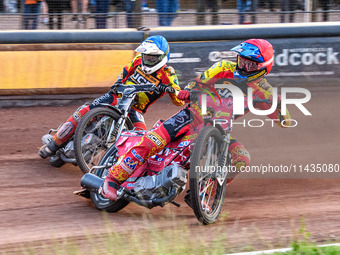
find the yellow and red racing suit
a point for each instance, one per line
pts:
(131, 74)
(177, 125)
(222, 73)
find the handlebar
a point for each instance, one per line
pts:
(194, 91)
(256, 100)
(130, 89)
(170, 90)
(139, 88)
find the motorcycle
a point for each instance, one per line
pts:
(199, 157)
(99, 129)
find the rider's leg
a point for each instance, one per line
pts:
(240, 158)
(151, 143)
(265, 91)
(139, 126)
(137, 119)
(66, 131)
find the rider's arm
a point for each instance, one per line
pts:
(263, 90)
(128, 70)
(173, 83)
(222, 69)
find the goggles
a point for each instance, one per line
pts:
(251, 66)
(151, 60)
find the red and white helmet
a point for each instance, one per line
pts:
(254, 59)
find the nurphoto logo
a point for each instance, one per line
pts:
(239, 103)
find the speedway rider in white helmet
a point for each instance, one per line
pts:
(147, 67)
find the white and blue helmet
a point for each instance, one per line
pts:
(155, 52)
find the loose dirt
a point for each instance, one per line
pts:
(260, 210)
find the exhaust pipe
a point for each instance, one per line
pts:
(91, 182)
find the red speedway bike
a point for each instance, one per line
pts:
(199, 158)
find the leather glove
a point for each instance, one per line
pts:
(184, 95)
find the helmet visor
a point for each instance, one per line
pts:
(248, 65)
(151, 60)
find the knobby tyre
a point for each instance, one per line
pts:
(100, 202)
(90, 139)
(206, 194)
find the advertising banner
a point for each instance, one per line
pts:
(296, 61)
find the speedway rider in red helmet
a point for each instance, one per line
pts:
(254, 61)
(147, 67)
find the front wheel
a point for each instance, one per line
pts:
(92, 137)
(206, 192)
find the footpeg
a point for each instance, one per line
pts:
(82, 193)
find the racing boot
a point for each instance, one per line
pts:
(211, 187)
(240, 159)
(64, 133)
(49, 149)
(109, 188)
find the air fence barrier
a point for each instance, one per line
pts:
(88, 62)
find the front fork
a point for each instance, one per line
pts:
(117, 129)
(222, 160)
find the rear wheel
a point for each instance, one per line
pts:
(91, 139)
(100, 202)
(206, 192)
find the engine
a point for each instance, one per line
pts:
(158, 186)
(88, 142)
(69, 150)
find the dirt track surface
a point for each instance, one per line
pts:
(36, 200)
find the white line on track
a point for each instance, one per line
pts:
(277, 250)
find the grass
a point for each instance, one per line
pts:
(299, 249)
(173, 240)
(303, 245)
